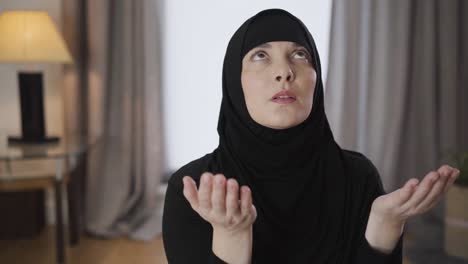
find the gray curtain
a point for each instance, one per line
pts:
(397, 91)
(113, 93)
(397, 84)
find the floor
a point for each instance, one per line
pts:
(426, 242)
(89, 251)
(422, 245)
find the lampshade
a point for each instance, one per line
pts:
(31, 36)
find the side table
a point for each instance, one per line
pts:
(65, 155)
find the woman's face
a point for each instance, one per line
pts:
(273, 67)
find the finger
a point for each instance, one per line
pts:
(246, 201)
(453, 177)
(204, 192)
(445, 171)
(190, 191)
(232, 198)
(422, 191)
(448, 174)
(254, 210)
(453, 174)
(436, 192)
(405, 192)
(218, 198)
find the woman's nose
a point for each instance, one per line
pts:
(286, 73)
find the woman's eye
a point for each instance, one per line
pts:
(259, 55)
(302, 54)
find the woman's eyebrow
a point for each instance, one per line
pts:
(268, 45)
(264, 45)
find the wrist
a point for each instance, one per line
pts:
(233, 247)
(388, 222)
(383, 233)
(231, 233)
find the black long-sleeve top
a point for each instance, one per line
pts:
(188, 238)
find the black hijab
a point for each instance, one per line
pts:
(312, 201)
(296, 175)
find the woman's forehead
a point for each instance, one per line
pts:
(270, 44)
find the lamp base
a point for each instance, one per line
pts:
(32, 111)
(23, 140)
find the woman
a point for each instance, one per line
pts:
(278, 188)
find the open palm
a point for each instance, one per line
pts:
(415, 197)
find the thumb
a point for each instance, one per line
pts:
(254, 209)
(190, 191)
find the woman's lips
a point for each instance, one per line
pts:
(284, 100)
(284, 97)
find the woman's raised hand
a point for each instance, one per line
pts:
(217, 201)
(415, 197)
(390, 212)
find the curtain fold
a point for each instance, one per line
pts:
(115, 95)
(396, 85)
(397, 91)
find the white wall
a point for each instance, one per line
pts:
(195, 35)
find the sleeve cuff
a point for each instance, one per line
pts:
(215, 259)
(371, 255)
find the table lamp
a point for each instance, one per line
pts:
(31, 37)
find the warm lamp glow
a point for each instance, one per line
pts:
(31, 36)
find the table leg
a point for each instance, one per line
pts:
(59, 214)
(74, 208)
(8, 168)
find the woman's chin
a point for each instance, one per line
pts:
(280, 119)
(282, 124)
